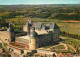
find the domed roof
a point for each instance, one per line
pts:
(10, 29)
(33, 34)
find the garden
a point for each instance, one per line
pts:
(18, 45)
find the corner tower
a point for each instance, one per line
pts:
(33, 43)
(28, 28)
(55, 32)
(11, 34)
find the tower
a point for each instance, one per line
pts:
(28, 28)
(33, 43)
(55, 32)
(11, 34)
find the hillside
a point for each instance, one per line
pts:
(52, 11)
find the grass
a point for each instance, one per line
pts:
(70, 49)
(72, 28)
(73, 42)
(50, 45)
(16, 45)
(25, 19)
(13, 44)
(20, 46)
(0, 45)
(59, 47)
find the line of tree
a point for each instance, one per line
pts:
(11, 15)
(2, 22)
(63, 13)
(67, 16)
(75, 36)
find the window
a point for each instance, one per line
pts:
(12, 50)
(9, 49)
(36, 41)
(22, 51)
(5, 39)
(24, 56)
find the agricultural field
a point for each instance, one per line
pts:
(59, 47)
(72, 28)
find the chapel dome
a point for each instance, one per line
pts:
(33, 34)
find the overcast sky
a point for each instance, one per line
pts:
(13, 2)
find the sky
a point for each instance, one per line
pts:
(16, 2)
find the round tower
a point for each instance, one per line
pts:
(55, 32)
(28, 29)
(11, 35)
(33, 43)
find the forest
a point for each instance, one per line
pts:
(61, 12)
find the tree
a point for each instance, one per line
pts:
(52, 16)
(2, 22)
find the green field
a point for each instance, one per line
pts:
(72, 28)
(59, 47)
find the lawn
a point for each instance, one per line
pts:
(72, 28)
(17, 45)
(0, 45)
(70, 49)
(59, 47)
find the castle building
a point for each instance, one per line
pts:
(38, 35)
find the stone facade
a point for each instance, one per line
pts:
(6, 36)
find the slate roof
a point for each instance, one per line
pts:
(56, 26)
(38, 25)
(33, 34)
(53, 26)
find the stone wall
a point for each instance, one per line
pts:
(25, 28)
(46, 52)
(4, 36)
(17, 52)
(22, 40)
(49, 38)
(45, 40)
(56, 35)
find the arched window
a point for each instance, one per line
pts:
(22, 51)
(24, 56)
(12, 50)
